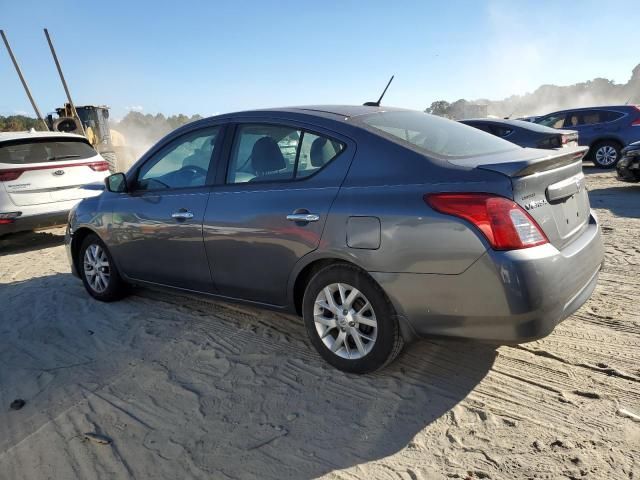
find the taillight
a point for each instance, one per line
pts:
(636, 122)
(502, 221)
(9, 217)
(9, 175)
(99, 166)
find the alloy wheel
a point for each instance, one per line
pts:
(96, 268)
(345, 321)
(606, 155)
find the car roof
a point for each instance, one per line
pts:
(515, 123)
(33, 135)
(335, 112)
(595, 107)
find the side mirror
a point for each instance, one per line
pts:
(116, 183)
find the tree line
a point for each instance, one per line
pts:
(18, 123)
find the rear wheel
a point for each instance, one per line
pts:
(605, 154)
(98, 272)
(350, 320)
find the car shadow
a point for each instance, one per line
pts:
(20, 242)
(622, 200)
(239, 389)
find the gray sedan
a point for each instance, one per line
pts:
(376, 225)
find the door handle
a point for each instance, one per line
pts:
(303, 217)
(182, 215)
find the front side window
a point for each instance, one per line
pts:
(436, 136)
(184, 163)
(266, 153)
(553, 121)
(45, 150)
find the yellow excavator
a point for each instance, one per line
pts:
(92, 121)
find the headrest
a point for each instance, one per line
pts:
(266, 156)
(321, 152)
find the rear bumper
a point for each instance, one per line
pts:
(509, 297)
(35, 222)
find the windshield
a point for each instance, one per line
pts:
(435, 135)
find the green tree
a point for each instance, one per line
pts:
(440, 108)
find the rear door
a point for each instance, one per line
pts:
(45, 170)
(278, 189)
(156, 230)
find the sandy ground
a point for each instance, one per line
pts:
(191, 388)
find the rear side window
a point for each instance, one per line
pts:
(315, 152)
(46, 150)
(500, 131)
(436, 136)
(480, 126)
(267, 153)
(610, 116)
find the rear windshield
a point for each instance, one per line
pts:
(45, 150)
(435, 135)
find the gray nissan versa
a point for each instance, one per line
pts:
(377, 225)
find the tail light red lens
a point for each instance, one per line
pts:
(9, 217)
(502, 221)
(636, 123)
(99, 166)
(9, 175)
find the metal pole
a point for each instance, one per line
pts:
(64, 82)
(24, 82)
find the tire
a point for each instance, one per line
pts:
(370, 328)
(605, 154)
(106, 286)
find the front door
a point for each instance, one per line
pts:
(156, 228)
(280, 184)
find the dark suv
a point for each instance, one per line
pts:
(605, 130)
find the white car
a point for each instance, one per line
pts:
(43, 175)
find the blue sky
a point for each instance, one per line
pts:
(212, 56)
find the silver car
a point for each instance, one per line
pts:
(376, 225)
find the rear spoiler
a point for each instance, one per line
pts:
(522, 168)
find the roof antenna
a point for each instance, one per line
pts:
(377, 104)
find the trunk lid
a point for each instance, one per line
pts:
(549, 186)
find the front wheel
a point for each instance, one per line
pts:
(98, 271)
(350, 320)
(605, 154)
